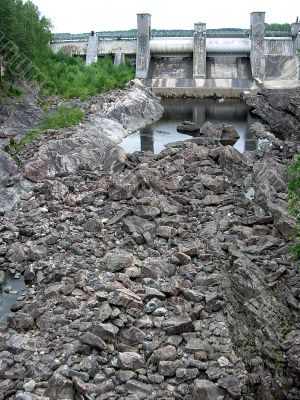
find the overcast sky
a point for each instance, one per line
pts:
(76, 16)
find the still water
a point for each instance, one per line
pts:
(10, 290)
(153, 138)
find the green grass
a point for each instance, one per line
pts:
(63, 118)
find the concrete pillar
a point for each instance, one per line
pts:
(295, 31)
(257, 36)
(199, 56)
(92, 49)
(143, 45)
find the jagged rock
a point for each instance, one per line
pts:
(133, 335)
(20, 321)
(28, 396)
(130, 360)
(147, 212)
(134, 386)
(232, 385)
(206, 390)
(167, 353)
(125, 298)
(60, 387)
(210, 130)
(107, 332)
(93, 341)
(186, 374)
(168, 368)
(124, 186)
(17, 343)
(179, 324)
(228, 131)
(7, 388)
(166, 231)
(118, 260)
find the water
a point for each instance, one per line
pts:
(153, 138)
(18, 290)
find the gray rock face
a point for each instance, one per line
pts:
(7, 166)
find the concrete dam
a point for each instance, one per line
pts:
(200, 64)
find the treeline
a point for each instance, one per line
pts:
(132, 33)
(25, 55)
(272, 29)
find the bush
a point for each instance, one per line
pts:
(71, 78)
(294, 205)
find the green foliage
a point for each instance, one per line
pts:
(70, 77)
(25, 36)
(278, 27)
(25, 53)
(294, 197)
(63, 118)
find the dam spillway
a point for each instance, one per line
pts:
(202, 65)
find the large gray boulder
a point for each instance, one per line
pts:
(88, 149)
(134, 107)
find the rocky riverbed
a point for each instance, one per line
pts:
(153, 276)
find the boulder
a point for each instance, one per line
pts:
(228, 131)
(210, 130)
(188, 127)
(88, 149)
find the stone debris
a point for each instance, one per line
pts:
(160, 281)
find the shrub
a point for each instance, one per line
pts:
(71, 78)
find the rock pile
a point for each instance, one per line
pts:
(162, 281)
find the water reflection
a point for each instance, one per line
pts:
(154, 138)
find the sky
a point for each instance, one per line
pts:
(76, 16)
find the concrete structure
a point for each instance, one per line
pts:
(92, 50)
(200, 64)
(257, 37)
(143, 45)
(199, 51)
